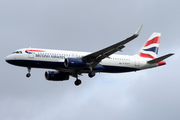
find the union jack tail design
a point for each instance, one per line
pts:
(150, 49)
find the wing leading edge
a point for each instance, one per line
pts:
(96, 57)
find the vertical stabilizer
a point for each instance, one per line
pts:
(150, 48)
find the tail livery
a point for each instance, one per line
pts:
(150, 49)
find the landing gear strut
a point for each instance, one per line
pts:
(78, 81)
(28, 74)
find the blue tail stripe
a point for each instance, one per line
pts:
(153, 49)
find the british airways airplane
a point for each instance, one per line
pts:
(72, 63)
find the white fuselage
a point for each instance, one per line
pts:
(54, 59)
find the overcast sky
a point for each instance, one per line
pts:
(82, 25)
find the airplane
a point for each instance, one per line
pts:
(72, 63)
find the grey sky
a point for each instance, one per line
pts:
(89, 26)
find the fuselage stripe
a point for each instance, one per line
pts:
(35, 51)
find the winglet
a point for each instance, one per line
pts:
(138, 30)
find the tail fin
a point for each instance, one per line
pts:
(150, 49)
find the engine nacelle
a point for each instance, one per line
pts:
(75, 63)
(56, 76)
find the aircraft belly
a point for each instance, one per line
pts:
(118, 69)
(37, 64)
(60, 66)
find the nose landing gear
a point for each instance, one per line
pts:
(28, 74)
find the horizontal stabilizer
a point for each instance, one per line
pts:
(160, 58)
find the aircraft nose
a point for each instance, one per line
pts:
(11, 59)
(8, 59)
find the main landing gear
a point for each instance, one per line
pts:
(91, 74)
(28, 74)
(78, 81)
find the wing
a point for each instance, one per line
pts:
(96, 57)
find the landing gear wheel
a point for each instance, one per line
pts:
(28, 75)
(77, 82)
(91, 74)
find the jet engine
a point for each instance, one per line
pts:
(56, 76)
(75, 63)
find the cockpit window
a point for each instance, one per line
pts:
(17, 52)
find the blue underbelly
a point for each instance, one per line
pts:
(59, 65)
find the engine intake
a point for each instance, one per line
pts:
(56, 76)
(75, 63)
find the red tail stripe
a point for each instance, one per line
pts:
(154, 40)
(145, 55)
